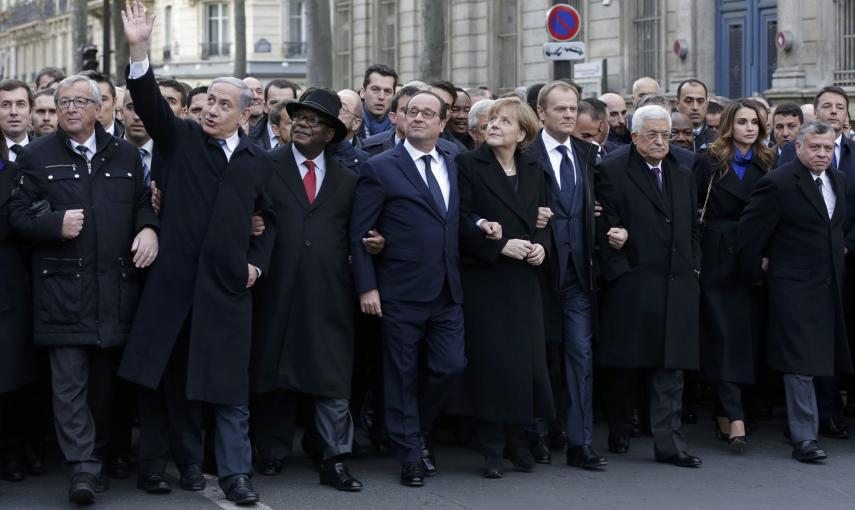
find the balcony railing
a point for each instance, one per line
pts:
(294, 49)
(215, 50)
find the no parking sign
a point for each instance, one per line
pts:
(563, 22)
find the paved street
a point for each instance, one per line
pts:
(764, 478)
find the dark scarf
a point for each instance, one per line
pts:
(740, 162)
(374, 125)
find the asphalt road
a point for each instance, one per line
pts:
(765, 477)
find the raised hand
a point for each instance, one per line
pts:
(137, 26)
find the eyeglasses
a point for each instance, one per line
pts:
(345, 110)
(427, 114)
(312, 120)
(78, 102)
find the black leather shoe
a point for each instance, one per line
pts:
(618, 444)
(521, 458)
(82, 489)
(335, 474)
(585, 457)
(493, 467)
(154, 483)
(834, 428)
(808, 451)
(35, 459)
(682, 459)
(270, 467)
(120, 467)
(412, 474)
(242, 492)
(192, 478)
(428, 458)
(541, 452)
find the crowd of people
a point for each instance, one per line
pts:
(188, 275)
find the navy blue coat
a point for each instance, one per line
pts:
(421, 244)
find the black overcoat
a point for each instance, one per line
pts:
(649, 305)
(205, 245)
(787, 221)
(303, 314)
(731, 306)
(86, 289)
(17, 356)
(506, 378)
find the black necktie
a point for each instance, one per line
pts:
(17, 149)
(567, 170)
(82, 149)
(657, 172)
(818, 182)
(433, 185)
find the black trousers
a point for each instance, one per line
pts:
(493, 437)
(730, 401)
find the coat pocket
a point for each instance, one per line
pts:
(120, 185)
(129, 290)
(61, 290)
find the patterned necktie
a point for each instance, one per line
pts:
(433, 185)
(567, 170)
(146, 169)
(657, 171)
(309, 180)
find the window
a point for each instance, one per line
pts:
(387, 32)
(341, 60)
(167, 33)
(506, 44)
(844, 74)
(295, 43)
(647, 28)
(217, 24)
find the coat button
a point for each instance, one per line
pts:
(308, 243)
(667, 220)
(77, 176)
(103, 159)
(50, 177)
(130, 175)
(107, 174)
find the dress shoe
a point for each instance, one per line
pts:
(428, 459)
(82, 489)
(412, 474)
(13, 468)
(493, 467)
(153, 483)
(521, 458)
(618, 444)
(585, 457)
(270, 467)
(682, 459)
(834, 428)
(192, 478)
(242, 492)
(35, 460)
(120, 467)
(737, 444)
(335, 474)
(541, 452)
(808, 451)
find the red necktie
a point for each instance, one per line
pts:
(309, 180)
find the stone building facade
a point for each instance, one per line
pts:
(728, 44)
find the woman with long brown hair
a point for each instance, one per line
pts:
(730, 306)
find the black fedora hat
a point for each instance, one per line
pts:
(324, 102)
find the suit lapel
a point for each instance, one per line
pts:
(806, 184)
(637, 175)
(408, 168)
(495, 179)
(286, 169)
(5, 183)
(838, 180)
(550, 173)
(331, 182)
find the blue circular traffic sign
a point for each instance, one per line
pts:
(563, 22)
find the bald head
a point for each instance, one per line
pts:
(351, 111)
(616, 107)
(256, 107)
(644, 86)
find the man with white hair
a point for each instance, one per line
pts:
(478, 121)
(644, 86)
(190, 342)
(651, 291)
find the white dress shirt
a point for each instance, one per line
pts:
(148, 147)
(437, 166)
(274, 140)
(828, 195)
(111, 129)
(10, 143)
(320, 167)
(231, 144)
(555, 155)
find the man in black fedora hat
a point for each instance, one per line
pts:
(303, 309)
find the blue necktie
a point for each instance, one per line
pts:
(433, 185)
(834, 157)
(568, 174)
(146, 169)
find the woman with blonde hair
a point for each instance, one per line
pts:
(730, 305)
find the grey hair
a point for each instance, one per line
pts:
(648, 99)
(813, 127)
(480, 108)
(649, 112)
(245, 91)
(417, 84)
(94, 91)
(644, 79)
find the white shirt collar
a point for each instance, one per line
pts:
(551, 143)
(651, 167)
(112, 128)
(838, 140)
(233, 141)
(89, 143)
(271, 136)
(148, 146)
(299, 158)
(22, 143)
(417, 154)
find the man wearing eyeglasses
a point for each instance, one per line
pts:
(91, 242)
(410, 195)
(347, 151)
(650, 298)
